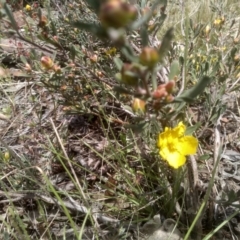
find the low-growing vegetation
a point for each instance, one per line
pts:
(119, 119)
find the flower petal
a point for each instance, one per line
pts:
(164, 153)
(163, 139)
(187, 145)
(179, 130)
(175, 159)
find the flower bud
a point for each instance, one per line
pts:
(44, 34)
(141, 91)
(207, 30)
(6, 156)
(169, 98)
(27, 67)
(99, 74)
(236, 58)
(28, 8)
(161, 86)
(223, 19)
(55, 38)
(70, 76)
(93, 58)
(129, 74)
(151, 26)
(170, 86)
(56, 68)
(149, 57)
(159, 93)
(43, 21)
(47, 62)
(236, 40)
(219, 21)
(138, 105)
(117, 14)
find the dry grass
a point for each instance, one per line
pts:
(74, 164)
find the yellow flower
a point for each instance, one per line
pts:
(28, 8)
(174, 146)
(223, 48)
(219, 21)
(111, 51)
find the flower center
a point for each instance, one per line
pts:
(172, 145)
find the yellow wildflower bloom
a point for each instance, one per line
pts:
(112, 51)
(174, 146)
(28, 8)
(219, 21)
(223, 48)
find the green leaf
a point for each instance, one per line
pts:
(191, 23)
(160, 2)
(146, 17)
(197, 89)
(51, 41)
(144, 36)
(206, 67)
(143, 3)
(118, 62)
(154, 79)
(166, 43)
(128, 52)
(204, 157)
(53, 28)
(118, 77)
(72, 52)
(11, 17)
(90, 27)
(217, 113)
(121, 90)
(39, 12)
(198, 30)
(233, 52)
(94, 4)
(174, 70)
(181, 60)
(23, 59)
(192, 129)
(128, 109)
(138, 127)
(159, 23)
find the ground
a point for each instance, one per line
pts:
(78, 163)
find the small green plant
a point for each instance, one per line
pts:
(137, 111)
